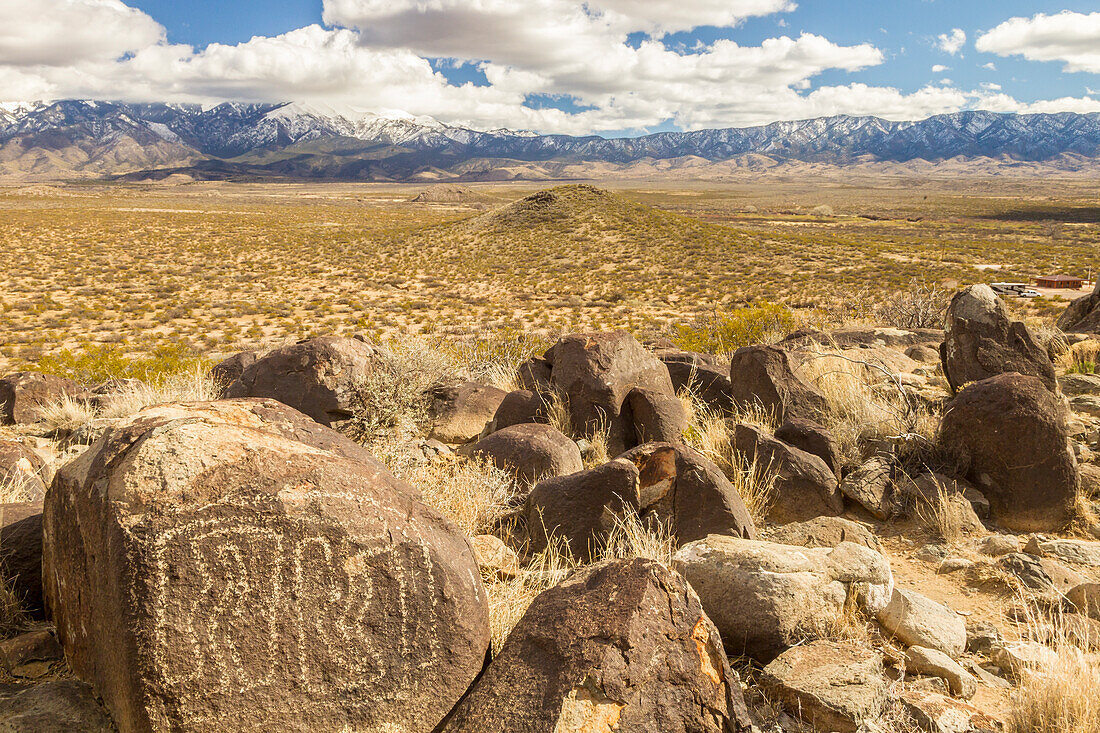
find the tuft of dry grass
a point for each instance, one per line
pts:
(1081, 358)
(12, 616)
(68, 414)
(1063, 695)
(470, 491)
(494, 358)
(946, 515)
(866, 402)
(710, 433)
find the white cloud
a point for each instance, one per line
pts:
(940, 68)
(952, 42)
(63, 32)
(377, 57)
(990, 66)
(1073, 38)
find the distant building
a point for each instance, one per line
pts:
(1066, 282)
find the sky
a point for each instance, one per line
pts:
(609, 67)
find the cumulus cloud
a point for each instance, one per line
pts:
(1073, 38)
(952, 42)
(63, 32)
(940, 68)
(378, 55)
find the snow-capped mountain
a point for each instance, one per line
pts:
(105, 138)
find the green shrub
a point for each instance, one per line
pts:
(725, 332)
(96, 363)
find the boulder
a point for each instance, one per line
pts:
(531, 452)
(687, 494)
(997, 545)
(1079, 552)
(519, 407)
(704, 375)
(229, 370)
(981, 636)
(936, 713)
(1040, 574)
(871, 486)
(825, 532)
(813, 438)
(534, 374)
(57, 706)
(981, 341)
(1084, 598)
(460, 412)
(765, 596)
(921, 660)
(22, 470)
(235, 560)
(1080, 385)
(621, 645)
(30, 655)
(1010, 433)
(1083, 314)
(594, 374)
(923, 353)
(764, 376)
(582, 508)
(23, 394)
(323, 377)
(21, 553)
(832, 686)
(916, 620)
(657, 417)
(804, 486)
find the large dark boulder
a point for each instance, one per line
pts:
(764, 376)
(519, 407)
(1009, 434)
(705, 375)
(323, 377)
(981, 341)
(530, 451)
(813, 438)
(21, 553)
(1083, 314)
(687, 494)
(582, 508)
(658, 417)
(595, 372)
(23, 394)
(621, 645)
(236, 561)
(804, 486)
(461, 412)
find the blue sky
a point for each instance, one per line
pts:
(605, 66)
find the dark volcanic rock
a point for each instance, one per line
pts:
(229, 370)
(531, 451)
(21, 553)
(1010, 433)
(764, 376)
(246, 566)
(657, 416)
(460, 412)
(321, 377)
(1083, 314)
(519, 407)
(813, 438)
(22, 394)
(981, 341)
(622, 645)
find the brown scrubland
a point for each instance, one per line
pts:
(767, 353)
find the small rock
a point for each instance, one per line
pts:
(870, 486)
(953, 565)
(933, 552)
(981, 636)
(833, 686)
(1040, 574)
(825, 532)
(996, 545)
(986, 677)
(30, 655)
(919, 621)
(1075, 551)
(813, 438)
(1018, 657)
(494, 557)
(921, 660)
(939, 714)
(1085, 599)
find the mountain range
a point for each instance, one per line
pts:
(89, 139)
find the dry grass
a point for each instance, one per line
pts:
(1081, 358)
(866, 402)
(69, 414)
(14, 488)
(12, 616)
(946, 515)
(1062, 696)
(471, 491)
(711, 433)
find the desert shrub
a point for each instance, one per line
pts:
(97, 363)
(921, 305)
(1081, 358)
(822, 210)
(725, 332)
(494, 357)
